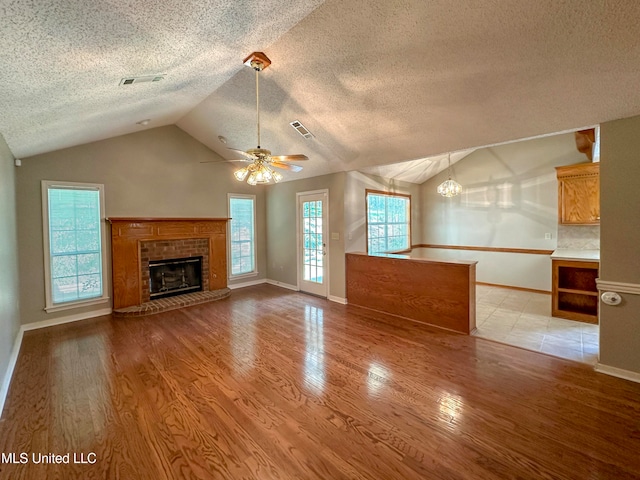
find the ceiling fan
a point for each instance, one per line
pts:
(259, 170)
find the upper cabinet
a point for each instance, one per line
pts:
(579, 194)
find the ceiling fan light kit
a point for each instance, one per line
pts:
(260, 170)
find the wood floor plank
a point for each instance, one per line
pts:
(271, 383)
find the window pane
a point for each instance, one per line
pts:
(242, 238)
(388, 222)
(75, 244)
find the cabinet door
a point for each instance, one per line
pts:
(580, 200)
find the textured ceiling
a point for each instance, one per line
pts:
(376, 82)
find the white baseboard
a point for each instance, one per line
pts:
(618, 372)
(8, 375)
(68, 319)
(283, 285)
(341, 300)
(247, 284)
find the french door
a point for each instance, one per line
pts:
(312, 242)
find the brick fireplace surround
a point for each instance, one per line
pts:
(169, 249)
(136, 241)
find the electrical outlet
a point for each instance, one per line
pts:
(547, 236)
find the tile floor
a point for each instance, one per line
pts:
(524, 319)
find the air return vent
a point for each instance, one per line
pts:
(141, 79)
(301, 129)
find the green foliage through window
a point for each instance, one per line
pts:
(75, 246)
(241, 211)
(388, 222)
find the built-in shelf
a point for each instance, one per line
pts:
(574, 290)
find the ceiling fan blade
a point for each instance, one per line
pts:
(289, 158)
(243, 153)
(286, 166)
(227, 161)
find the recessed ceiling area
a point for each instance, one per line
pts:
(378, 83)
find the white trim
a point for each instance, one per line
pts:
(8, 375)
(618, 372)
(71, 305)
(341, 300)
(68, 319)
(326, 225)
(283, 285)
(247, 284)
(619, 287)
(50, 306)
(243, 196)
(233, 278)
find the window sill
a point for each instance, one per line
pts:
(72, 305)
(242, 276)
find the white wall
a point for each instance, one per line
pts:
(509, 200)
(9, 308)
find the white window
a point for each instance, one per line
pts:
(73, 217)
(388, 221)
(242, 229)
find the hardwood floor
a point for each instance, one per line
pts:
(271, 383)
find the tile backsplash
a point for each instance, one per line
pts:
(579, 237)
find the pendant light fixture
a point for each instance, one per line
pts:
(449, 188)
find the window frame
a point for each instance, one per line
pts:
(366, 216)
(50, 305)
(254, 272)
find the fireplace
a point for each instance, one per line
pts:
(155, 252)
(174, 276)
(137, 242)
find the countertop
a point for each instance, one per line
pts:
(579, 255)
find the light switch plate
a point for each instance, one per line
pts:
(335, 236)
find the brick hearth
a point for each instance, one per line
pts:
(171, 303)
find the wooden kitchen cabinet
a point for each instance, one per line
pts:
(579, 194)
(574, 292)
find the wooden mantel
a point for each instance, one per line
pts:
(128, 232)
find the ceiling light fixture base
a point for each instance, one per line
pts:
(258, 61)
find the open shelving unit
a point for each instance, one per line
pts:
(575, 294)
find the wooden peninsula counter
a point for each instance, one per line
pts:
(437, 292)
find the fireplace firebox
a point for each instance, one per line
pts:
(174, 276)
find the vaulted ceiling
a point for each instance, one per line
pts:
(375, 82)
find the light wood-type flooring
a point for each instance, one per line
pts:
(274, 384)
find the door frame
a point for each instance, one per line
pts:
(325, 193)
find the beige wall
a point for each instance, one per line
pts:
(154, 173)
(355, 209)
(9, 308)
(620, 240)
(509, 200)
(282, 235)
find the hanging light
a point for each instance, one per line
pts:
(241, 174)
(449, 188)
(260, 171)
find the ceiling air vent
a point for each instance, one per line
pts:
(142, 79)
(301, 129)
